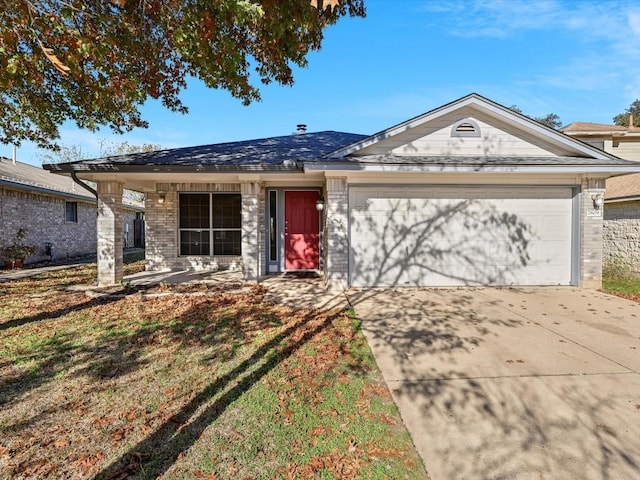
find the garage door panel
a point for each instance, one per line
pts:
(457, 236)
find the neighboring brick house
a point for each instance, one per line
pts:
(54, 210)
(621, 229)
(469, 193)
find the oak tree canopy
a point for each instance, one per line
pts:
(631, 113)
(95, 63)
(551, 120)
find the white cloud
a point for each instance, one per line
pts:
(504, 18)
(634, 22)
(602, 37)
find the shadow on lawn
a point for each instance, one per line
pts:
(156, 453)
(128, 333)
(470, 367)
(54, 353)
(54, 314)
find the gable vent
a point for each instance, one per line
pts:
(465, 128)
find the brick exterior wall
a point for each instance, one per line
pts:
(621, 235)
(591, 236)
(336, 235)
(163, 241)
(162, 229)
(43, 216)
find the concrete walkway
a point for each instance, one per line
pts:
(512, 383)
(8, 275)
(286, 289)
(32, 271)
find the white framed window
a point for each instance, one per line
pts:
(71, 212)
(210, 224)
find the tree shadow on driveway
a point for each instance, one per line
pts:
(485, 392)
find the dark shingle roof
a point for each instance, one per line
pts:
(265, 152)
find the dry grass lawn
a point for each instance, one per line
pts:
(210, 384)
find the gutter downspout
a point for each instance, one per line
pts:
(83, 185)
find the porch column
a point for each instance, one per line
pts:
(337, 234)
(110, 233)
(250, 192)
(591, 234)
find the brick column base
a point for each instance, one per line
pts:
(109, 230)
(591, 234)
(336, 234)
(250, 239)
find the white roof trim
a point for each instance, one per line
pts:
(440, 168)
(485, 103)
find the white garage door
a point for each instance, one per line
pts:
(422, 236)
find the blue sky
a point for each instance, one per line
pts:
(579, 59)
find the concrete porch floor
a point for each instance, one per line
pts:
(306, 291)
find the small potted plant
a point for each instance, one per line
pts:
(15, 253)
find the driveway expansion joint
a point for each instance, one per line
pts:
(498, 377)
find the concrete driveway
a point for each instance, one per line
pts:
(537, 383)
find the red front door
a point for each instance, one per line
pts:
(301, 231)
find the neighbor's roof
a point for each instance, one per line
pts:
(28, 177)
(623, 187)
(588, 128)
(592, 127)
(266, 153)
(23, 175)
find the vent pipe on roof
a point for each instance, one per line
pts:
(301, 128)
(631, 120)
(15, 154)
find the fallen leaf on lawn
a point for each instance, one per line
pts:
(118, 435)
(319, 430)
(63, 442)
(378, 452)
(102, 422)
(288, 417)
(352, 445)
(290, 471)
(206, 476)
(3, 450)
(89, 460)
(388, 419)
(233, 469)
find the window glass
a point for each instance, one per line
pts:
(227, 242)
(193, 242)
(273, 210)
(194, 210)
(210, 224)
(71, 212)
(227, 211)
